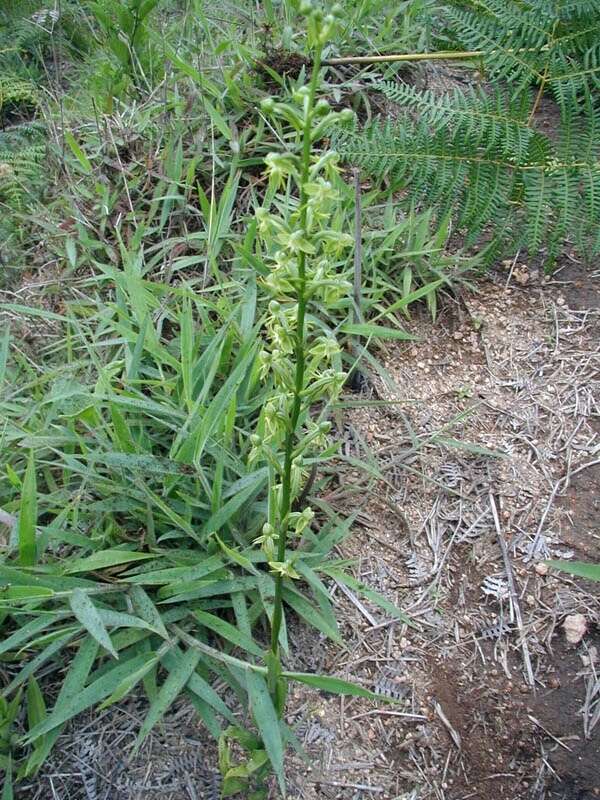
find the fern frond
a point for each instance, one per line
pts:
(541, 190)
(535, 42)
(494, 120)
(22, 152)
(17, 96)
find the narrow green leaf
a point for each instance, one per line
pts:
(72, 685)
(36, 708)
(237, 557)
(179, 574)
(147, 610)
(86, 613)
(22, 636)
(28, 516)
(34, 664)
(376, 331)
(310, 613)
(200, 688)
(118, 619)
(7, 789)
(228, 509)
(330, 684)
(370, 594)
(408, 299)
(186, 347)
(129, 682)
(206, 714)
(4, 348)
(24, 592)
(78, 152)
(32, 311)
(579, 568)
(267, 723)
(104, 559)
(240, 609)
(228, 632)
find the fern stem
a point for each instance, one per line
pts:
(543, 81)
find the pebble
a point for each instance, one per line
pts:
(575, 626)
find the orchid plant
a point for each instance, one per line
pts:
(304, 253)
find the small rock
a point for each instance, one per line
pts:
(591, 657)
(575, 626)
(521, 277)
(541, 568)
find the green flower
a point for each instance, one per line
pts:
(283, 568)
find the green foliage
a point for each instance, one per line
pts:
(180, 400)
(144, 475)
(17, 97)
(22, 150)
(479, 155)
(579, 568)
(157, 418)
(476, 156)
(554, 45)
(128, 38)
(32, 33)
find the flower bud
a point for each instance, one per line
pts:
(267, 105)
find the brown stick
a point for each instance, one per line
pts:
(443, 55)
(513, 592)
(440, 55)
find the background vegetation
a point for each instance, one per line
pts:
(154, 159)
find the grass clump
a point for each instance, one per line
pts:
(157, 446)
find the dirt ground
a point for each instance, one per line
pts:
(487, 443)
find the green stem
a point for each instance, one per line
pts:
(299, 346)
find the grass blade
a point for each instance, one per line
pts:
(229, 632)
(104, 559)
(87, 614)
(28, 516)
(579, 568)
(267, 723)
(329, 684)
